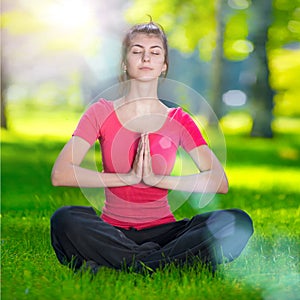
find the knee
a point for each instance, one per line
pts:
(230, 222)
(243, 221)
(232, 230)
(61, 217)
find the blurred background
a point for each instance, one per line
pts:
(243, 56)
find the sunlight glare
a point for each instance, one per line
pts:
(68, 14)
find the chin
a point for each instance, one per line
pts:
(146, 78)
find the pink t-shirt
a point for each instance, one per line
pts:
(137, 206)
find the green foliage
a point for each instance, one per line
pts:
(191, 25)
(19, 22)
(285, 66)
(187, 23)
(286, 23)
(236, 36)
(264, 179)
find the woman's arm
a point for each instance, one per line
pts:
(67, 171)
(210, 179)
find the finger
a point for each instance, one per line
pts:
(140, 145)
(139, 150)
(147, 145)
(147, 159)
(140, 154)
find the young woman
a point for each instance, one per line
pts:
(139, 137)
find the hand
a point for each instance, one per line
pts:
(136, 173)
(149, 178)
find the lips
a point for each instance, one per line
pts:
(145, 68)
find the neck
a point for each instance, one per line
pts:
(142, 90)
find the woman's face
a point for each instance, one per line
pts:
(145, 58)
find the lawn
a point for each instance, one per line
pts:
(264, 177)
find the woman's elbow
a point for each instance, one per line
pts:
(224, 186)
(59, 176)
(223, 189)
(63, 175)
(55, 178)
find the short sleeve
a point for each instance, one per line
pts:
(89, 126)
(191, 136)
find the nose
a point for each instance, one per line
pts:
(146, 56)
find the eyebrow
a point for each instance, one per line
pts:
(138, 45)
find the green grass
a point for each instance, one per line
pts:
(264, 177)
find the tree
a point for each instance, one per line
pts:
(261, 91)
(218, 62)
(3, 104)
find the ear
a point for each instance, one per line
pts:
(164, 68)
(124, 67)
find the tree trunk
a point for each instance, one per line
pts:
(3, 101)
(262, 94)
(217, 67)
(3, 114)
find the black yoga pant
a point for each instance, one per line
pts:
(78, 235)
